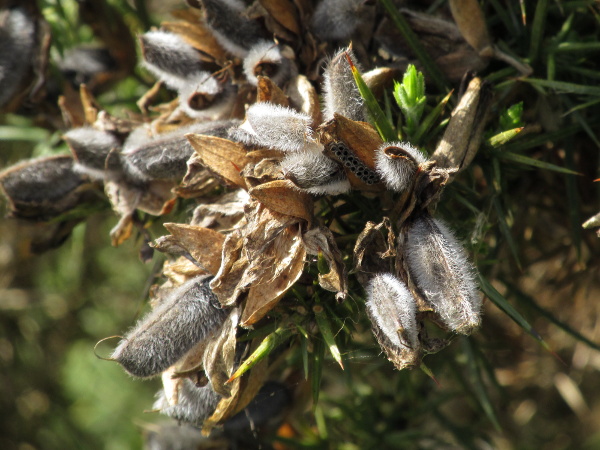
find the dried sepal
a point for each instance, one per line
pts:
(268, 91)
(276, 127)
(397, 163)
(304, 98)
(284, 259)
(284, 13)
(168, 57)
(283, 197)
(267, 59)
(220, 358)
(392, 310)
(340, 93)
(186, 316)
(221, 156)
(315, 173)
(440, 268)
(193, 405)
(375, 250)
(320, 241)
(203, 244)
(195, 33)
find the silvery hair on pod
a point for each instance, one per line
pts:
(340, 94)
(442, 272)
(265, 58)
(194, 404)
(397, 163)
(90, 148)
(276, 127)
(315, 173)
(392, 310)
(188, 314)
(169, 58)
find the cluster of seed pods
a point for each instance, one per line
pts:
(246, 116)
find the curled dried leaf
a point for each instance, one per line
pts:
(283, 197)
(222, 156)
(320, 240)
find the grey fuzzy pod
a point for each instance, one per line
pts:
(266, 59)
(169, 58)
(17, 43)
(233, 31)
(340, 94)
(392, 310)
(188, 315)
(315, 173)
(397, 163)
(444, 275)
(90, 148)
(194, 404)
(165, 156)
(337, 19)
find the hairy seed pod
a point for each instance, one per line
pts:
(392, 310)
(276, 127)
(397, 164)
(340, 94)
(442, 272)
(194, 404)
(337, 19)
(165, 156)
(17, 43)
(185, 317)
(87, 65)
(315, 173)
(203, 97)
(43, 188)
(266, 59)
(232, 30)
(90, 148)
(169, 58)
(352, 163)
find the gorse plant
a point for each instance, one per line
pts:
(313, 188)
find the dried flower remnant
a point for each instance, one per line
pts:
(392, 310)
(185, 317)
(397, 164)
(443, 274)
(340, 94)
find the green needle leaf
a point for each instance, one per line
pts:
(325, 328)
(382, 124)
